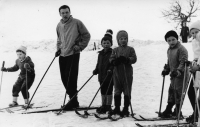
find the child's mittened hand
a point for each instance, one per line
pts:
(95, 72)
(3, 69)
(58, 53)
(26, 66)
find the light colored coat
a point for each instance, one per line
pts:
(71, 33)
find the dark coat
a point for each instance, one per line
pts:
(20, 65)
(184, 33)
(103, 64)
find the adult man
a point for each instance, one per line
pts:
(184, 33)
(73, 37)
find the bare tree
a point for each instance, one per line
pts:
(178, 14)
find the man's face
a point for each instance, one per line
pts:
(194, 32)
(65, 13)
(172, 41)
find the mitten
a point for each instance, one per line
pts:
(175, 73)
(3, 69)
(58, 53)
(95, 72)
(123, 59)
(27, 66)
(164, 72)
(188, 63)
(116, 62)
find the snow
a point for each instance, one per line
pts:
(146, 90)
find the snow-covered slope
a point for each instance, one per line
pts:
(146, 90)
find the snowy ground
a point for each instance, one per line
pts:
(146, 88)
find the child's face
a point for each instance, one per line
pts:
(65, 13)
(106, 44)
(172, 41)
(21, 55)
(123, 41)
(194, 32)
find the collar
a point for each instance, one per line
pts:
(68, 20)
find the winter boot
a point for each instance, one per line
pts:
(14, 103)
(174, 114)
(190, 119)
(168, 111)
(117, 106)
(125, 111)
(72, 104)
(101, 109)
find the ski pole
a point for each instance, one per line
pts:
(183, 94)
(95, 94)
(196, 102)
(2, 75)
(132, 114)
(74, 95)
(104, 101)
(161, 95)
(40, 82)
(68, 78)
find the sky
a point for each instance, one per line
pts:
(37, 19)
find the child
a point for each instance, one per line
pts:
(25, 64)
(121, 58)
(194, 31)
(177, 55)
(104, 70)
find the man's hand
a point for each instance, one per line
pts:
(58, 53)
(76, 48)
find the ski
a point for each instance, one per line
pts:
(58, 109)
(154, 119)
(85, 115)
(114, 117)
(163, 125)
(8, 109)
(101, 116)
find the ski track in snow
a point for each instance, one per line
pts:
(146, 89)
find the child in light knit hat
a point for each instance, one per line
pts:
(25, 64)
(122, 59)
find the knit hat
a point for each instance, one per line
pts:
(122, 33)
(22, 49)
(108, 36)
(195, 25)
(171, 33)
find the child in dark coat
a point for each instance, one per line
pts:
(104, 71)
(25, 64)
(177, 54)
(122, 59)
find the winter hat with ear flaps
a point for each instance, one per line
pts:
(22, 49)
(195, 25)
(108, 36)
(171, 33)
(122, 33)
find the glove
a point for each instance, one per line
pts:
(109, 72)
(116, 62)
(95, 72)
(3, 69)
(164, 72)
(58, 53)
(123, 59)
(175, 73)
(27, 66)
(188, 63)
